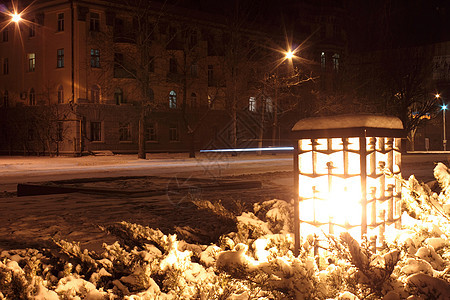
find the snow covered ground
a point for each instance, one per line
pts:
(238, 248)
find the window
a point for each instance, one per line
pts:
(59, 131)
(193, 38)
(60, 25)
(5, 99)
(269, 105)
(31, 57)
(336, 62)
(150, 133)
(118, 96)
(172, 99)
(60, 94)
(193, 100)
(252, 104)
(32, 97)
(151, 64)
(173, 133)
(172, 65)
(323, 60)
(210, 102)
(125, 132)
(32, 29)
(210, 75)
(30, 134)
(5, 66)
(95, 58)
(60, 58)
(96, 131)
(151, 95)
(5, 34)
(194, 70)
(94, 22)
(95, 94)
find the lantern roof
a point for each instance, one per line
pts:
(349, 125)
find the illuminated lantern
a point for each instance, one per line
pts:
(345, 170)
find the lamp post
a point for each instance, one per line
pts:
(444, 136)
(340, 167)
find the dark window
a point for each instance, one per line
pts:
(172, 99)
(5, 99)
(96, 131)
(94, 22)
(5, 34)
(5, 66)
(173, 133)
(193, 100)
(151, 64)
(210, 75)
(118, 96)
(95, 58)
(150, 133)
(32, 97)
(193, 38)
(60, 94)
(172, 65)
(125, 132)
(194, 70)
(60, 26)
(151, 95)
(95, 94)
(60, 58)
(32, 29)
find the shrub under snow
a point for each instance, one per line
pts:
(257, 261)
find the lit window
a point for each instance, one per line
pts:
(125, 132)
(31, 62)
(323, 60)
(32, 97)
(60, 58)
(118, 96)
(60, 94)
(61, 22)
(96, 131)
(150, 133)
(5, 66)
(336, 62)
(94, 22)
(173, 133)
(95, 94)
(172, 99)
(210, 102)
(95, 58)
(252, 104)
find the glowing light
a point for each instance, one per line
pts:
(444, 107)
(437, 96)
(289, 54)
(16, 17)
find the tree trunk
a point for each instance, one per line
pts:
(192, 145)
(141, 140)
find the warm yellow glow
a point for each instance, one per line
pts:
(437, 96)
(289, 54)
(330, 183)
(16, 17)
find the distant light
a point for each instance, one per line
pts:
(250, 149)
(437, 96)
(16, 17)
(444, 107)
(289, 54)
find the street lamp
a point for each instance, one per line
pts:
(443, 108)
(342, 174)
(15, 17)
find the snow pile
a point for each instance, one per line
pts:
(256, 261)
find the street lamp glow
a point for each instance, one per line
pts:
(444, 107)
(437, 96)
(289, 54)
(16, 17)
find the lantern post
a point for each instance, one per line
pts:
(346, 175)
